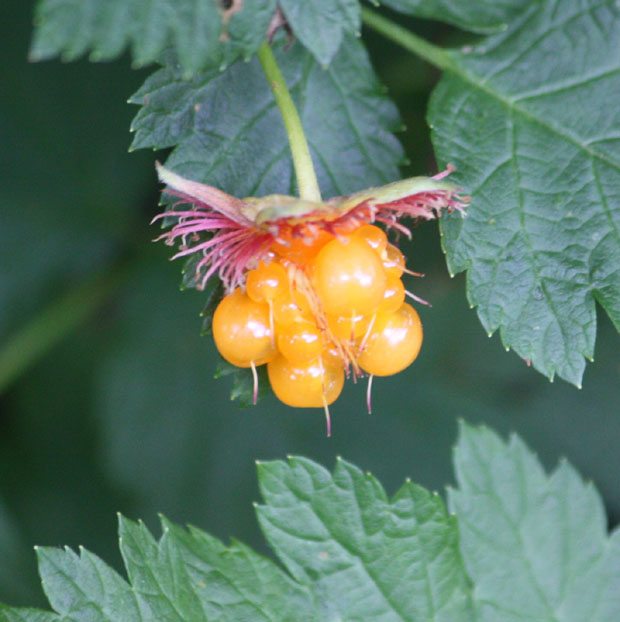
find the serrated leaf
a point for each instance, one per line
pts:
(83, 587)
(367, 557)
(534, 545)
(320, 25)
(203, 32)
(227, 130)
(192, 576)
(474, 15)
(529, 121)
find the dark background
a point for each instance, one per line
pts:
(121, 413)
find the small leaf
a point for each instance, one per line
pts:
(534, 137)
(320, 25)
(368, 557)
(204, 34)
(80, 586)
(242, 390)
(534, 545)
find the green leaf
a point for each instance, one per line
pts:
(367, 557)
(475, 15)
(81, 587)
(227, 130)
(527, 118)
(242, 389)
(22, 614)
(320, 25)
(203, 33)
(192, 576)
(534, 545)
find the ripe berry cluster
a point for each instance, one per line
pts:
(316, 312)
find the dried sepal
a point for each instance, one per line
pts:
(241, 232)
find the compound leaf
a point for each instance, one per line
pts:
(204, 33)
(527, 118)
(534, 545)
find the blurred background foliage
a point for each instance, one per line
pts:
(112, 405)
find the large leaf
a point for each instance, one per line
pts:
(321, 24)
(534, 545)
(475, 15)
(529, 117)
(204, 33)
(366, 556)
(227, 130)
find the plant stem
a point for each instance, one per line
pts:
(429, 52)
(32, 341)
(302, 160)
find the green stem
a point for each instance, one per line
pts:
(302, 160)
(432, 53)
(33, 340)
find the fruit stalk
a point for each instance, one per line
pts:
(307, 183)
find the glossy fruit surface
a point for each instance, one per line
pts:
(349, 277)
(393, 261)
(300, 342)
(393, 343)
(242, 330)
(267, 282)
(349, 327)
(373, 236)
(394, 295)
(307, 385)
(289, 308)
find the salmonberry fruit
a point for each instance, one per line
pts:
(242, 330)
(393, 342)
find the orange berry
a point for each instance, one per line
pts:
(349, 277)
(267, 282)
(393, 261)
(242, 330)
(305, 385)
(297, 250)
(291, 307)
(374, 236)
(393, 343)
(300, 342)
(394, 295)
(347, 328)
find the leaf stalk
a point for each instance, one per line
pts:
(432, 53)
(37, 337)
(302, 160)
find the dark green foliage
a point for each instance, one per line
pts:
(203, 32)
(528, 118)
(227, 131)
